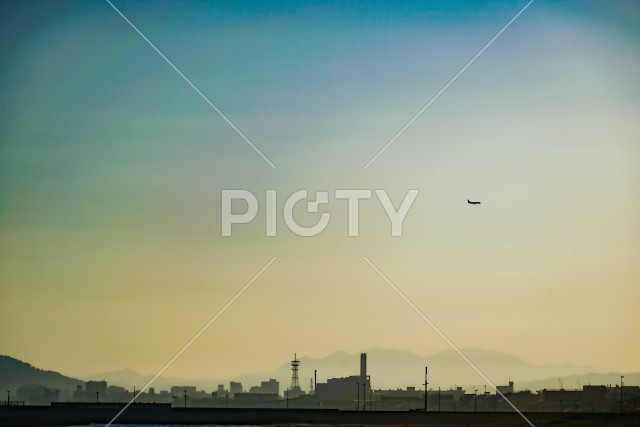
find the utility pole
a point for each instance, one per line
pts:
(8, 397)
(315, 382)
(475, 400)
(97, 396)
(426, 383)
(287, 393)
(134, 394)
(438, 399)
(364, 396)
(185, 398)
(370, 394)
(358, 400)
(621, 384)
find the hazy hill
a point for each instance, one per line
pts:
(388, 369)
(129, 378)
(573, 382)
(392, 369)
(15, 373)
(396, 368)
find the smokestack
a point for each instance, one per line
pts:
(363, 367)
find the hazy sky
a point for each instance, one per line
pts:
(111, 170)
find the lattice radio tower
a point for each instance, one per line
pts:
(295, 364)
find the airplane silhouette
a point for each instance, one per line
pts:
(472, 203)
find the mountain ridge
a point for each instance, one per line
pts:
(446, 369)
(15, 373)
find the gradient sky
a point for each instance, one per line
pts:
(111, 168)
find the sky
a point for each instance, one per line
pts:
(112, 169)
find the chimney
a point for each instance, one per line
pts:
(363, 367)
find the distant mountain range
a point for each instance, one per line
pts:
(388, 369)
(399, 369)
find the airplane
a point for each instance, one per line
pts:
(472, 203)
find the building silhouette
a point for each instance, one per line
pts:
(504, 389)
(346, 392)
(95, 390)
(267, 387)
(234, 388)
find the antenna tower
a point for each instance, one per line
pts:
(295, 364)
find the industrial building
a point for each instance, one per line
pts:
(352, 392)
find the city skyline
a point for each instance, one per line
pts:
(500, 367)
(389, 368)
(343, 392)
(112, 167)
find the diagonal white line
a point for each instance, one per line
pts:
(453, 79)
(444, 337)
(195, 337)
(191, 84)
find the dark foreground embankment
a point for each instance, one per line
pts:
(84, 414)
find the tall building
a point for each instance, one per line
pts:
(78, 394)
(117, 394)
(268, 387)
(271, 386)
(234, 388)
(221, 392)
